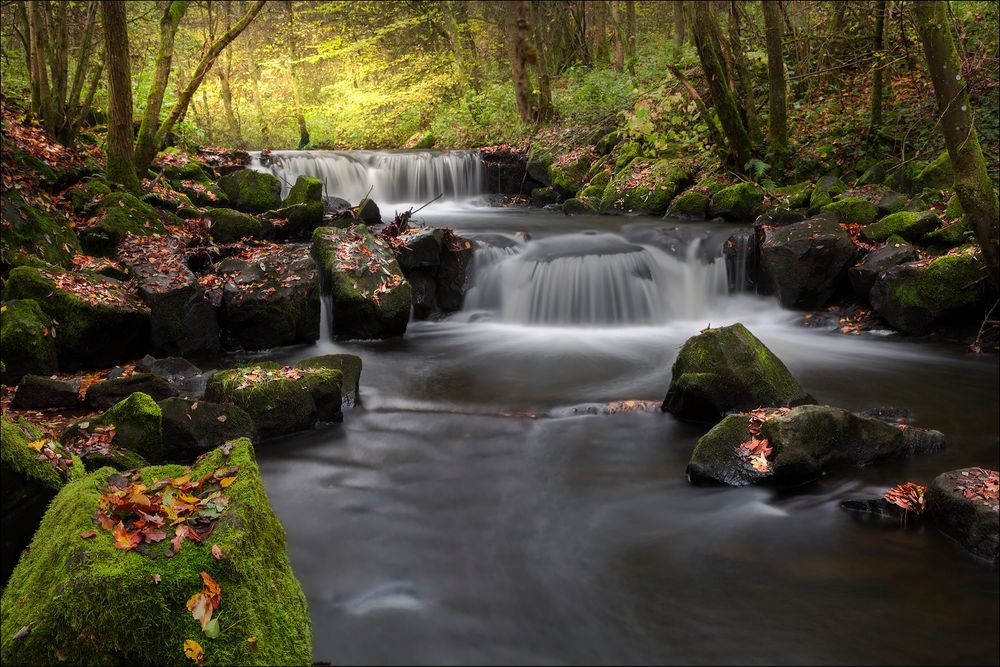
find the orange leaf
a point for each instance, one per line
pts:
(227, 481)
(89, 534)
(125, 540)
(194, 651)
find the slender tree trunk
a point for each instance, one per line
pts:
(875, 120)
(120, 167)
(225, 76)
(600, 34)
(777, 126)
(544, 106)
(714, 133)
(519, 48)
(972, 181)
(145, 145)
(619, 29)
(58, 68)
(630, 27)
(39, 57)
(706, 39)
(258, 103)
(678, 24)
(293, 76)
(742, 75)
(88, 101)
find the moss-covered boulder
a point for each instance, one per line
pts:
(625, 153)
(167, 200)
(570, 171)
(581, 205)
(280, 399)
(781, 216)
(544, 196)
(85, 602)
(118, 215)
(910, 226)
(853, 210)
(302, 209)
(864, 273)
(366, 303)
(138, 435)
(796, 195)
(793, 447)
(644, 186)
(32, 234)
(27, 485)
(26, 341)
(191, 428)
(99, 322)
(890, 202)
(692, 204)
(806, 263)
(349, 366)
(189, 170)
(955, 230)
(252, 191)
(825, 190)
(540, 158)
(938, 175)
(915, 296)
(743, 201)
(726, 369)
(963, 504)
(228, 226)
(88, 194)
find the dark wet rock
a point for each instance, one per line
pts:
(805, 264)
(726, 369)
(806, 441)
(26, 341)
(963, 504)
(191, 428)
(272, 299)
(252, 191)
(825, 190)
(876, 507)
(186, 378)
(864, 274)
(853, 211)
(302, 209)
(182, 321)
(111, 327)
(797, 195)
(103, 395)
(424, 292)
(369, 212)
(544, 196)
(891, 202)
(453, 274)
(421, 248)
(332, 204)
(36, 392)
(349, 366)
(781, 216)
(889, 414)
(366, 303)
(915, 296)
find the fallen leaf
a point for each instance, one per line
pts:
(216, 551)
(156, 578)
(89, 534)
(226, 482)
(221, 418)
(23, 632)
(212, 628)
(194, 651)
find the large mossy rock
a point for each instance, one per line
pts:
(37, 392)
(227, 225)
(349, 366)
(88, 194)
(108, 326)
(824, 191)
(743, 201)
(191, 428)
(915, 296)
(569, 172)
(366, 303)
(796, 195)
(194, 181)
(280, 399)
(959, 503)
(27, 486)
(31, 233)
(252, 191)
(805, 263)
(118, 215)
(938, 175)
(26, 342)
(863, 274)
(692, 204)
(644, 186)
(805, 441)
(138, 439)
(910, 226)
(726, 369)
(853, 211)
(302, 209)
(87, 603)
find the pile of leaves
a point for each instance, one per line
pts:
(854, 231)
(354, 256)
(614, 407)
(138, 514)
(85, 443)
(756, 450)
(980, 486)
(156, 257)
(96, 292)
(49, 452)
(909, 496)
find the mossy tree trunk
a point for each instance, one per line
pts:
(777, 125)
(972, 182)
(599, 36)
(145, 147)
(630, 32)
(531, 108)
(120, 167)
(707, 41)
(875, 119)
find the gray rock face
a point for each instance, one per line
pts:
(104, 395)
(191, 428)
(863, 275)
(960, 504)
(36, 392)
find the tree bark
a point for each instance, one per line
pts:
(678, 24)
(225, 75)
(120, 167)
(742, 75)
(875, 119)
(777, 126)
(706, 40)
(519, 48)
(630, 27)
(146, 146)
(293, 75)
(544, 108)
(972, 182)
(619, 29)
(39, 57)
(599, 37)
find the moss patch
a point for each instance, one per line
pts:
(797, 195)
(349, 366)
(228, 226)
(644, 185)
(138, 430)
(33, 234)
(826, 189)
(88, 194)
(743, 201)
(938, 175)
(853, 210)
(910, 226)
(26, 341)
(252, 191)
(118, 215)
(90, 603)
(692, 204)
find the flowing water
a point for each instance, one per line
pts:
(471, 511)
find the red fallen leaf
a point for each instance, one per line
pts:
(154, 535)
(125, 540)
(216, 551)
(89, 534)
(181, 533)
(909, 496)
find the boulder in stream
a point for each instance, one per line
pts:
(963, 504)
(863, 274)
(102, 395)
(37, 392)
(191, 428)
(252, 191)
(743, 201)
(302, 209)
(349, 366)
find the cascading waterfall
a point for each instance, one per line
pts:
(740, 261)
(401, 177)
(594, 280)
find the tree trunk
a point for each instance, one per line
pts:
(544, 104)
(706, 33)
(875, 120)
(293, 76)
(519, 48)
(39, 57)
(630, 27)
(258, 103)
(777, 126)
(225, 75)
(599, 37)
(619, 29)
(120, 168)
(145, 145)
(742, 75)
(972, 182)
(678, 24)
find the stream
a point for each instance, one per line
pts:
(471, 511)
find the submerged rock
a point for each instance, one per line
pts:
(280, 399)
(191, 428)
(800, 444)
(349, 366)
(252, 191)
(963, 504)
(85, 602)
(36, 392)
(26, 341)
(726, 369)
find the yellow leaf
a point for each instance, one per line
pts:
(37, 444)
(194, 651)
(227, 481)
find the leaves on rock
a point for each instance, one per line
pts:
(979, 485)
(204, 603)
(909, 496)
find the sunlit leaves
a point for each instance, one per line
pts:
(194, 651)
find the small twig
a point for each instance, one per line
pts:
(978, 344)
(427, 204)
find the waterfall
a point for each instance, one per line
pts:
(594, 280)
(396, 177)
(741, 262)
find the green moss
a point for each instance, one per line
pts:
(910, 226)
(743, 201)
(797, 195)
(711, 184)
(569, 172)
(691, 204)
(228, 226)
(592, 191)
(349, 366)
(581, 205)
(826, 189)
(951, 235)
(16, 455)
(32, 234)
(118, 215)
(600, 179)
(942, 284)
(90, 603)
(26, 341)
(87, 194)
(644, 185)
(904, 177)
(716, 459)
(190, 171)
(252, 191)
(853, 210)
(305, 191)
(626, 153)
(167, 201)
(138, 426)
(938, 175)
